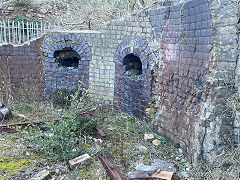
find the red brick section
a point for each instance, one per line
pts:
(185, 46)
(21, 71)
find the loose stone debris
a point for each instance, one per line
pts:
(138, 175)
(162, 175)
(156, 142)
(43, 175)
(159, 169)
(5, 112)
(142, 171)
(148, 137)
(84, 159)
(142, 149)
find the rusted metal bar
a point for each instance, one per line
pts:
(101, 132)
(111, 168)
(12, 127)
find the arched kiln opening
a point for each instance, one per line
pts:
(67, 58)
(132, 65)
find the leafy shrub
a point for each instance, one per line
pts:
(62, 97)
(23, 3)
(65, 141)
(24, 19)
(61, 143)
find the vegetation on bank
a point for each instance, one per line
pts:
(73, 135)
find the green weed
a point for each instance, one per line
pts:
(65, 140)
(23, 3)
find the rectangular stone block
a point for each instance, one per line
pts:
(78, 161)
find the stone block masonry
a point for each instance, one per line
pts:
(185, 32)
(185, 70)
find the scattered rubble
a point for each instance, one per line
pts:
(43, 175)
(146, 169)
(148, 137)
(138, 175)
(5, 112)
(156, 142)
(163, 165)
(142, 149)
(162, 175)
(158, 169)
(78, 161)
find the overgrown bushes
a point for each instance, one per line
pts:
(62, 97)
(23, 3)
(65, 139)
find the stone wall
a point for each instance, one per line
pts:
(185, 32)
(216, 127)
(21, 71)
(188, 54)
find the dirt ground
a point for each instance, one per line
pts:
(124, 141)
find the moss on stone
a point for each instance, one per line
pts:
(12, 165)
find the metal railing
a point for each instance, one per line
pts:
(19, 32)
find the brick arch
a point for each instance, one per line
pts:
(59, 77)
(142, 86)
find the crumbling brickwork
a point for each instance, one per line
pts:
(188, 53)
(58, 77)
(21, 69)
(185, 32)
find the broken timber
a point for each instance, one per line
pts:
(111, 168)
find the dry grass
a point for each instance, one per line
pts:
(224, 166)
(89, 14)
